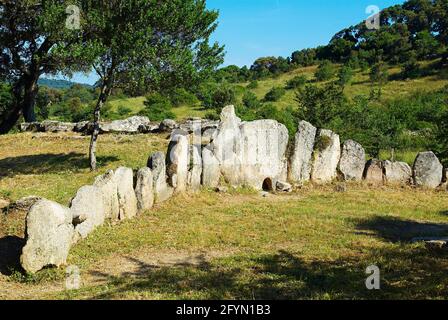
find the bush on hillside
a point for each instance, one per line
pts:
(157, 108)
(325, 71)
(275, 94)
(297, 82)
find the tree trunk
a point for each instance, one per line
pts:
(29, 100)
(105, 92)
(24, 93)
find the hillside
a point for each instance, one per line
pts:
(360, 85)
(59, 84)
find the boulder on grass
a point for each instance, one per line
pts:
(195, 172)
(211, 173)
(374, 172)
(49, 235)
(428, 171)
(397, 172)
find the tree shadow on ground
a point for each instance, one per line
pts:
(410, 273)
(398, 230)
(48, 163)
(10, 251)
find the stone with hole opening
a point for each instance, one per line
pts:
(268, 185)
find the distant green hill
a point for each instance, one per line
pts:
(59, 84)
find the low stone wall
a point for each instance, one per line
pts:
(236, 153)
(132, 125)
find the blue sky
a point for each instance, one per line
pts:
(250, 29)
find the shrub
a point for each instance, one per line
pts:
(325, 71)
(275, 94)
(157, 108)
(296, 82)
(181, 96)
(250, 100)
(123, 111)
(253, 85)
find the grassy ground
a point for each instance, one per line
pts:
(312, 244)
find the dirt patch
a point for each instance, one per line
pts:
(138, 264)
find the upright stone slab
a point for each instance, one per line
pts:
(353, 161)
(127, 199)
(327, 152)
(49, 234)
(302, 153)
(397, 172)
(157, 165)
(144, 189)
(177, 160)
(211, 173)
(374, 172)
(428, 170)
(227, 146)
(264, 144)
(88, 211)
(109, 188)
(195, 171)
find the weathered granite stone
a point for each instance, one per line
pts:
(282, 186)
(178, 161)
(167, 125)
(57, 126)
(88, 211)
(49, 234)
(162, 190)
(397, 172)
(211, 173)
(130, 125)
(327, 153)
(195, 170)
(353, 161)
(144, 189)
(428, 170)
(302, 153)
(108, 185)
(374, 172)
(127, 199)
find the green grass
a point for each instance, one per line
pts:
(313, 244)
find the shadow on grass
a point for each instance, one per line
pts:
(398, 230)
(409, 273)
(10, 251)
(47, 163)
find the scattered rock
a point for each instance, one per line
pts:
(167, 125)
(83, 127)
(127, 199)
(25, 203)
(88, 211)
(428, 170)
(57, 126)
(264, 194)
(108, 185)
(327, 153)
(373, 172)
(30, 127)
(301, 159)
(144, 189)
(130, 125)
(353, 160)
(49, 234)
(397, 172)
(282, 186)
(157, 165)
